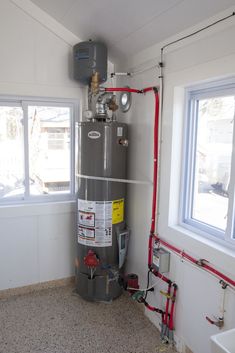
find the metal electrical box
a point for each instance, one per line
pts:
(160, 259)
(90, 58)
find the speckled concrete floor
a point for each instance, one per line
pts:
(58, 321)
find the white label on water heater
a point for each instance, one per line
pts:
(95, 223)
(119, 131)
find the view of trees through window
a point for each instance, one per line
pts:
(12, 150)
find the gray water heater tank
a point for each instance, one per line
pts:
(101, 226)
(90, 57)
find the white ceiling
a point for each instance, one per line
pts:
(129, 26)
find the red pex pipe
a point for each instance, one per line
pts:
(155, 163)
(162, 277)
(148, 89)
(167, 303)
(150, 253)
(152, 308)
(178, 251)
(171, 320)
(155, 172)
(123, 89)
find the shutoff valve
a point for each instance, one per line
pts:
(91, 260)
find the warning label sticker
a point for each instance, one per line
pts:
(95, 223)
(86, 233)
(118, 211)
(86, 218)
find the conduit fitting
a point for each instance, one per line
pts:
(224, 285)
(120, 74)
(201, 262)
(155, 89)
(173, 297)
(219, 322)
(101, 89)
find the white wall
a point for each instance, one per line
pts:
(207, 56)
(37, 242)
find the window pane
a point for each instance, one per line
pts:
(213, 161)
(49, 149)
(11, 152)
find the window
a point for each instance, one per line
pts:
(37, 150)
(209, 163)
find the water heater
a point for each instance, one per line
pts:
(102, 234)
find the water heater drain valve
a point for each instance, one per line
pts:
(91, 260)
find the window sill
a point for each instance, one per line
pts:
(34, 209)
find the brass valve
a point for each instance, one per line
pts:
(95, 82)
(113, 105)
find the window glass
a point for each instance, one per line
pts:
(49, 149)
(213, 154)
(12, 180)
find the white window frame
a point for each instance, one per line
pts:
(193, 95)
(24, 102)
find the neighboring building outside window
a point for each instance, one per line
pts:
(209, 166)
(37, 150)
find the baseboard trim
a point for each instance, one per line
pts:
(7, 293)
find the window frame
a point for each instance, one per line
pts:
(192, 96)
(24, 102)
